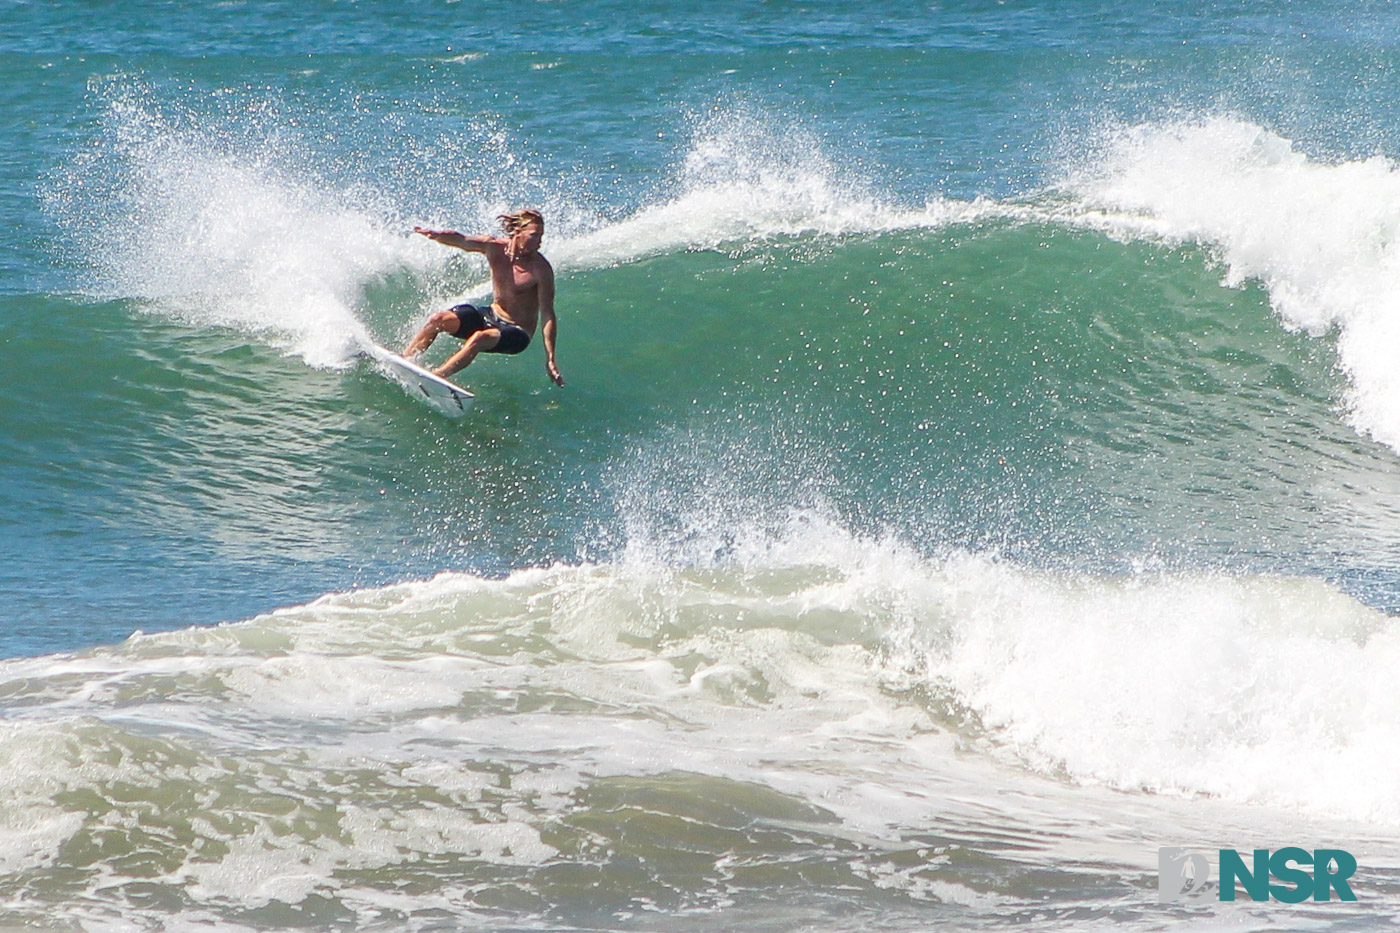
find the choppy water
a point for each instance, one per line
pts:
(977, 466)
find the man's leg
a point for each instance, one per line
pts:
(481, 340)
(443, 322)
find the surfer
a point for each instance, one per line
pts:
(522, 285)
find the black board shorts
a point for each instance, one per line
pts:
(513, 337)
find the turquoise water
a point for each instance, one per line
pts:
(977, 466)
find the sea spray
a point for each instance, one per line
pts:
(215, 229)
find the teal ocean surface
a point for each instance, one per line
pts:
(979, 464)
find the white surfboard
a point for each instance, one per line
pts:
(446, 396)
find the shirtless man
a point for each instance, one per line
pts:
(523, 285)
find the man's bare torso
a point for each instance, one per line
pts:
(515, 282)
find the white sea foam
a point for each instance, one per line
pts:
(1323, 237)
(454, 729)
(831, 668)
(1266, 690)
(1269, 691)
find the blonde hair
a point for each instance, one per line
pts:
(516, 221)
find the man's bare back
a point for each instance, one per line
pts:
(522, 284)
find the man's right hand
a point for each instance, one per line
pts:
(445, 237)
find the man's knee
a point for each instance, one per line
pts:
(484, 339)
(444, 321)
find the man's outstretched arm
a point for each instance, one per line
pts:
(472, 244)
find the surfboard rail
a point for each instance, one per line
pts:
(442, 394)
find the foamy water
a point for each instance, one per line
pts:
(324, 750)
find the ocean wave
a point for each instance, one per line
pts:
(239, 229)
(233, 223)
(1320, 236)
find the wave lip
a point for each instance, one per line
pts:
(1323, 238)
(1259, 690)
(749, 177)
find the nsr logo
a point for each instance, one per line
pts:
(1182, 875)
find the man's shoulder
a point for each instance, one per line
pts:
(493, 247)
